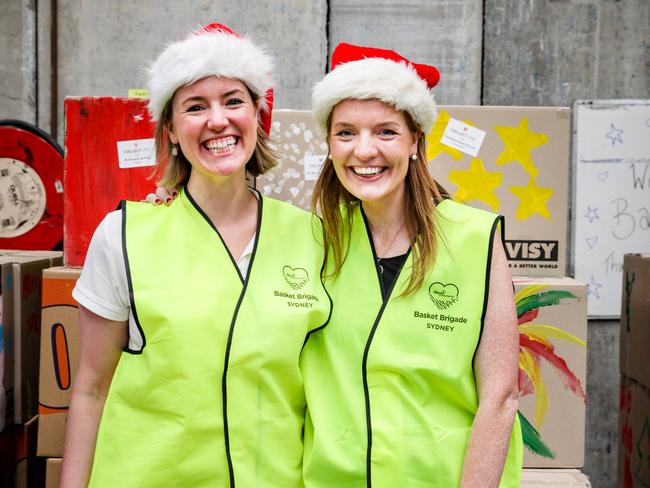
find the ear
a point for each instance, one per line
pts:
(416, 139)
(170, 133)
(258, 111)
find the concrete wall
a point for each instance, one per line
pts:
(111, 56)
(494, 52)
(551, 52)
(446, 34)
(603, 382)
(18, 60)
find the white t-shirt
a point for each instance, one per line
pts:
(102, 287)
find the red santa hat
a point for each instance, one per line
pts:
(364, 73)
(213, 50)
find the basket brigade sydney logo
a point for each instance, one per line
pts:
(443, 296)
(296, 277)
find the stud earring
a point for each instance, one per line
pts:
(329, 156)
(174, 150)
(414, 157)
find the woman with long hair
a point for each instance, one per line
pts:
(193, 315)
(413, 382)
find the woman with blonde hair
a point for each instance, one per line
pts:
(413, 382)
(193, 315)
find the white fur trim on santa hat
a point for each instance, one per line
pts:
(203, 54)
(375, 78)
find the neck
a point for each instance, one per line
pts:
(385, 214)
(223, 201)
(387, 221)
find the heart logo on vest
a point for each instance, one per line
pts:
(296, 277)
(443, 296)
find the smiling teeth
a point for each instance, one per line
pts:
(367, 170)
(221, 145)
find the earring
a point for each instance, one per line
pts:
(174, 150)
(414, 157)
(329, 156)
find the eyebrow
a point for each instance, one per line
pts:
(233, 92)
(225, 95)
(388, 123)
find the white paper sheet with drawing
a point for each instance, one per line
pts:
(611, 204)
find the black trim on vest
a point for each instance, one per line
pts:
(224, 389)
(364, 362)
(374, 254)
(498, 222)
(207, 219)
(122, 207)
(322, 271)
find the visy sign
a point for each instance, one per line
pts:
(531, 250)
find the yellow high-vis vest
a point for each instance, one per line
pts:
(390, 385)
(215, 396)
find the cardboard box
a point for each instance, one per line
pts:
(635, 318)
(554, 478)
(20, 319)
(634, 412)
(302, 149)
(519, 169)
(53, 472)
(552, 370)
(109, 157)
(59, 357)
(634, 435)
(18, 455)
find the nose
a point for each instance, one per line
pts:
(365, 148)
(217, 118)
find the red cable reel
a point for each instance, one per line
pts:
(31, 188)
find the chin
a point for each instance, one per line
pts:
(366, 196)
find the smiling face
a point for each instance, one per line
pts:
(371, 145)
(214, 120)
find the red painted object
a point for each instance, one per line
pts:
(94, 181)
(31, 188)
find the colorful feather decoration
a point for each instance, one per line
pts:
(535, 345)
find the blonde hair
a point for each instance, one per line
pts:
(174, 171)
(422, 195)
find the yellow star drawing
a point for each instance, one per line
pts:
(434, 146)
(532, 199)
(519, 142)
(476, 183)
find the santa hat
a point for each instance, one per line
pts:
(214, 50)
(364, 73)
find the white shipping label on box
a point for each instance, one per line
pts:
(313, 164)
(463, 137)
(136, 153)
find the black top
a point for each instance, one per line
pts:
(388, 269)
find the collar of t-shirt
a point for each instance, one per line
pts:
(245, 258)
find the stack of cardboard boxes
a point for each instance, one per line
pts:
(58, 366)
(634, 423)
(20, 321)
(513, 161)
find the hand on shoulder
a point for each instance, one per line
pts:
(161, 195)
